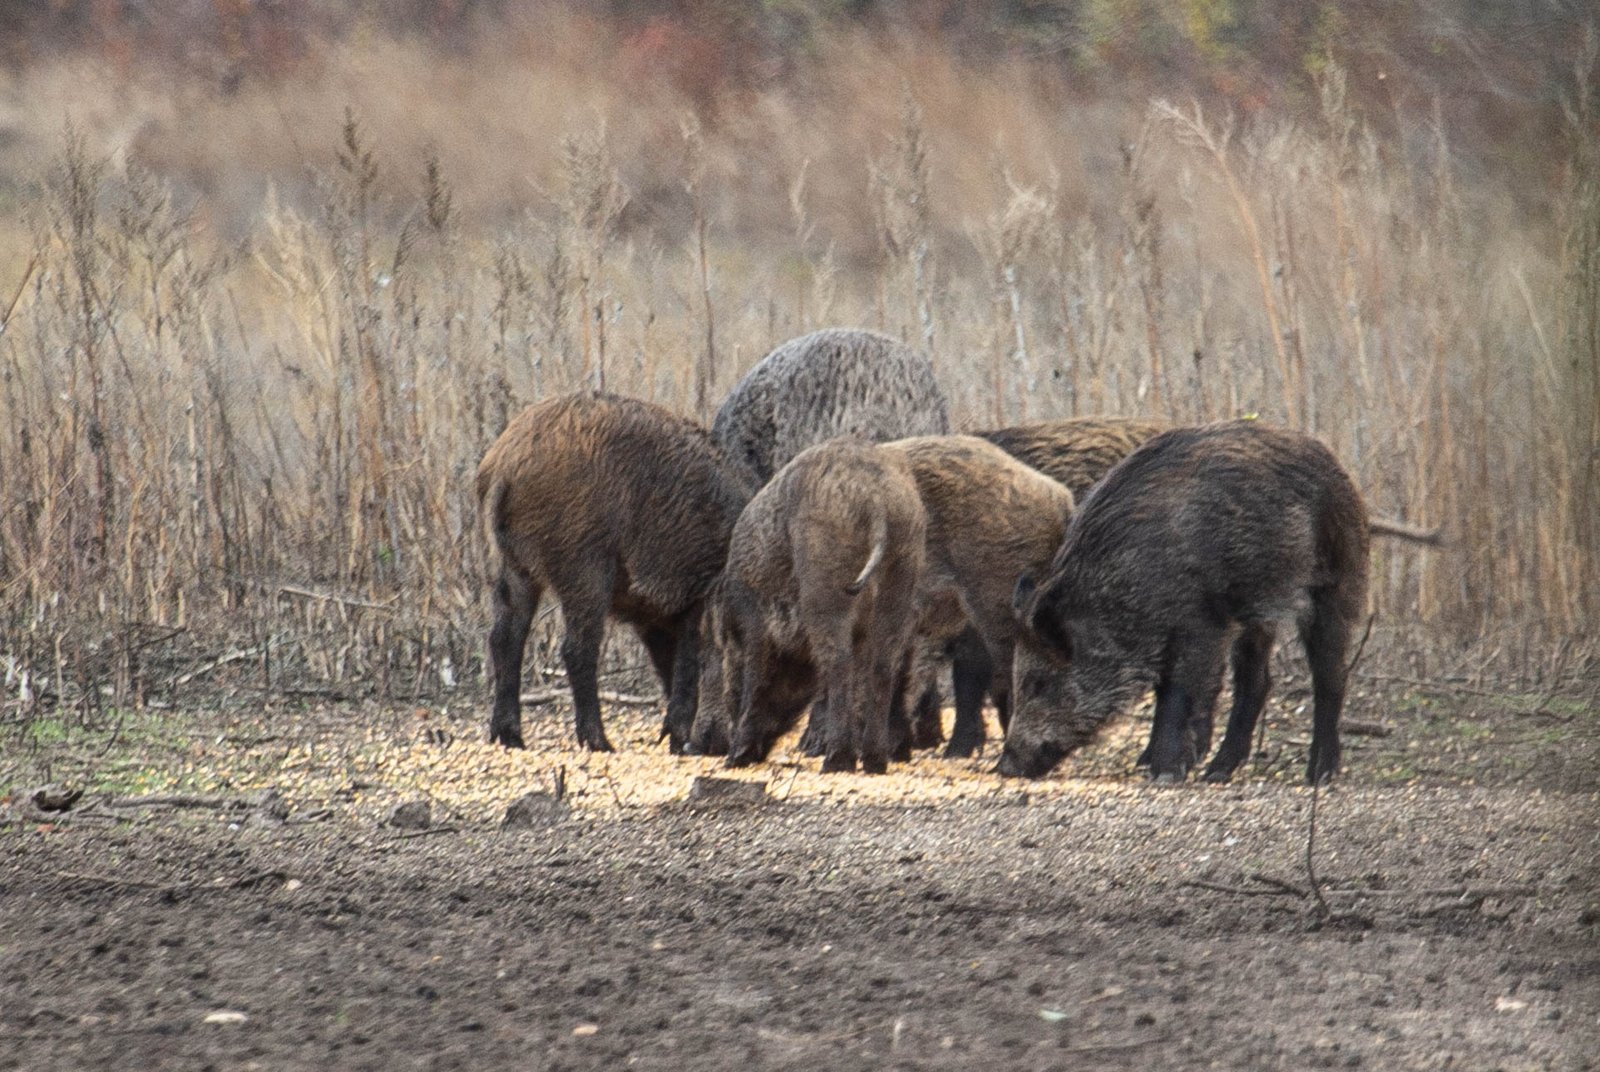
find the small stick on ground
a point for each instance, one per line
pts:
(1311, 859)
(425, 833)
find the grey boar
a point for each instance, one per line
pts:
(820, 586)
(834, 382)
(617, 506)
(1200, 537)
(990, 520)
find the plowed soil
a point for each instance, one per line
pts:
(937, 918)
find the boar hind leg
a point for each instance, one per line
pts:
(1252, 680)
(814, 740)
(1326, 636)
(926, 728)
(516, 598)
(841, 727)
(971, 672)
(584, 607)
(901, 731)
(1183, 695)
(684, 693)
(674, 652)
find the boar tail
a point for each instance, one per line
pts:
(880, 541)
(491, 506)
(1379, 526)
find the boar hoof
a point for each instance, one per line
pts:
(509, 738)
(1167, 778)
(962, 749)
(838, 763)
(874, 765)
(1217, 775)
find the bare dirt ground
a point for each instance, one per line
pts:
(936, 918)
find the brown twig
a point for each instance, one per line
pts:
(1311, 860)
(1242, 891)
(425, 833)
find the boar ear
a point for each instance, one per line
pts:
(1039, 624)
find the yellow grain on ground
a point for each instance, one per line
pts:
(469, 780)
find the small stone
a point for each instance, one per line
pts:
(412, 815)
(706, 792)
(55, 797)
(225, 1016)
(533, 811)
(585, 1030)
(268, 806)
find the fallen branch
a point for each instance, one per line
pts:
(424, 833)
(1242, 891)
(1464, 893)
(220, 661)
(1283, 884)
(331, 597)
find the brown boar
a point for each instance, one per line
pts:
(820, 587)
(990, 520)
(617, 506)
(833, 382)
(1201, 537)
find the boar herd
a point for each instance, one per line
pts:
(829, 544)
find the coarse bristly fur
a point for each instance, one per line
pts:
(990, 520)
(1201, 537)
(820, 586)
(1075, 451)
(833, 382)
(617, 506)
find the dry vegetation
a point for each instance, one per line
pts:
(257, 333)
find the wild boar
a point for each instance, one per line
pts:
(617, 506)
(820, 587)
(1200, 538)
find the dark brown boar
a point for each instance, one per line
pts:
(834, 382)
(617, 506)
(990, 520)
(1200, 537)
(820, 587)
(1076, 451)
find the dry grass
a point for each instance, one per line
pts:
(255, 342)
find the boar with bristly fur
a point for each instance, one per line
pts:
(834, 382)
(1201, 538)
(990, 520)
(618, 507)
(1075, 452)
(820, 587)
